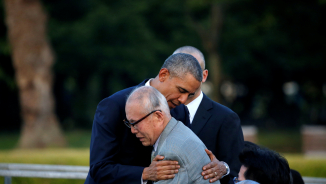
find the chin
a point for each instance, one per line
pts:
(146, 144)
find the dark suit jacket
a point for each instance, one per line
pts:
(220, 130)
(116, 155)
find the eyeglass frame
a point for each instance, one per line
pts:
(128, 124)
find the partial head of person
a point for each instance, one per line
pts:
(147, 114)
(179, 78)
(263, 166)
(200, 58)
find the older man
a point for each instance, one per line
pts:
(149, 118)
(116, 155)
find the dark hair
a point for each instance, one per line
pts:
(180, 64)
(265, 166)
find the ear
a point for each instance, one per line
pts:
(205, 75)
(160, 117)
(163, 74)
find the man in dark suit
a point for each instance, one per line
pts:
(216, 125)
(116, 155)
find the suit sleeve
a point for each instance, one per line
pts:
(229, 145)
(104, 149)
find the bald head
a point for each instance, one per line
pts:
(149, 99)
(194, 52)
(147, 114)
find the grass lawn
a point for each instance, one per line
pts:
(78, 154)
(68, 156)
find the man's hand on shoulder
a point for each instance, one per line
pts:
(160, 169)
(214, 170)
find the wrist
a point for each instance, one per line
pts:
(144, 175)
(227, 169)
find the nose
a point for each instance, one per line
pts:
(133, 130)
(183, 98)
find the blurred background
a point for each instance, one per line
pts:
(266, 61)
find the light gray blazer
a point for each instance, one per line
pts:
(178, 142)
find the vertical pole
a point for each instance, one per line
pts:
(7, 180)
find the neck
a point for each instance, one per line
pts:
(155, 83)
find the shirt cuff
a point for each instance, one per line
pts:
(143, 181)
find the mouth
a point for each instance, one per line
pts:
(140, 139)
(174, 105)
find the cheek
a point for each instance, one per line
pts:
(173, 96)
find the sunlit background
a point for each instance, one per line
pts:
(266, 61)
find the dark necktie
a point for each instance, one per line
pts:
(187, 123)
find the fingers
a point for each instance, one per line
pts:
(165, 177)
(158, 158)
(214, 179)
(161, 169)
(169, 169)
(210, 154)
(212, 174)
(209, 173)
(209, 166)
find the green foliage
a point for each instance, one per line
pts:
(104, 46)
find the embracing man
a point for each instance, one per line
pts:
(116, 155)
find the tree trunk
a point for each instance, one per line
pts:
(210, 37)
(33, 59)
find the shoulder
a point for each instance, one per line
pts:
(183, 141)
(216, 105)
(218, 110)
(112, 108)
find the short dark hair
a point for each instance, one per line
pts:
(180, 64)
(265, 166)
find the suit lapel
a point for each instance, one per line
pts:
(202, 115)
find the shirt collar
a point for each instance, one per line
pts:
(148, 83)
(193, 106)
(156, 143)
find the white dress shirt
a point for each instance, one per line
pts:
(148, 83)
(193, 106)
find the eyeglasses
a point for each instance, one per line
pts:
(128, 124)
(235, 180)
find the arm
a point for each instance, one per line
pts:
(112, 145)
(105, 147)
(230, 143)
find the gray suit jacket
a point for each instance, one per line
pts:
(178, 142)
